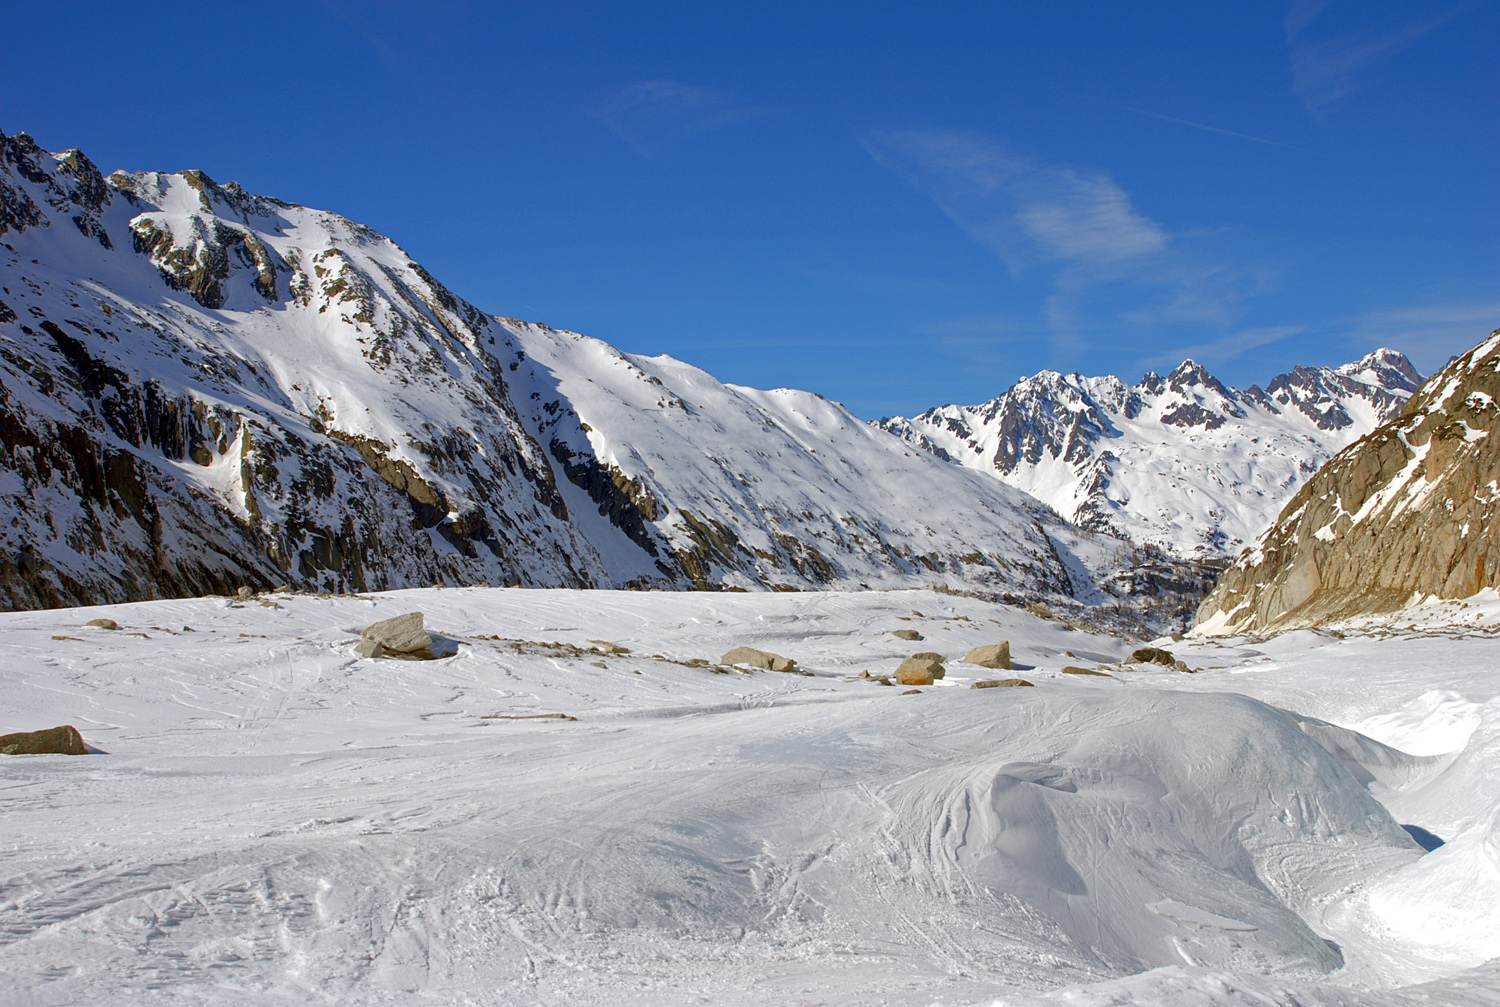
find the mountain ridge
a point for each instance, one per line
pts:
(201, 388)
(1099, 451)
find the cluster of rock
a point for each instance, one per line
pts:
(762, 659)
(926, 667)
(1156, 655)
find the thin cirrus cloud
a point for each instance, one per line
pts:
(1105, 263)
(1216, 129)
(1228, 347)
(1022, 209)
(1325, 72)
(651, 114)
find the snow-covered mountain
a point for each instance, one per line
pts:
(1181, 462)
(201, 388)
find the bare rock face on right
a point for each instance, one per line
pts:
(1408, 512)
(994, 655)
(64, 740)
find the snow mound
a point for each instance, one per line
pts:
(285, 817)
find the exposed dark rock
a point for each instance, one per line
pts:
(1000, 683)
(63, 740)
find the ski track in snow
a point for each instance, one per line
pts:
(278, 821)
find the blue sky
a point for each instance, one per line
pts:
(897, 205)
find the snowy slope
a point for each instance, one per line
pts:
(1183, 462)
(279, 821)
(746, 487)
(205, 388)
(201, 388)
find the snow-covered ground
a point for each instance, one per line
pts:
(279, 821)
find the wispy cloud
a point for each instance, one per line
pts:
(1216, 129)
(1327, 71)
(1228, 347)
(1300, 14)
(1022, 209)
(1107, 265)
(650, 114)
(1427, 333)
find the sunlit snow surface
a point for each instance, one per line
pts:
(278, 821)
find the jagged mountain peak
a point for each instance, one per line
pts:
(1385, 367)
(1183, 462)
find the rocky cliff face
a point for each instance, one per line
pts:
(1406, 513)
(1181, 463)
(201, 388)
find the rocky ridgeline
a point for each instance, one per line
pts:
(201, 388)
(1183, 462)
(1406, 513)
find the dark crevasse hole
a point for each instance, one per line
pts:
(1424, 839)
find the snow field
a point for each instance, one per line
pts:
(280, 821)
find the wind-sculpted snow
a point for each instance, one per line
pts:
(278, 819)
(1406, 513)
(203, 388)
(1183, 462)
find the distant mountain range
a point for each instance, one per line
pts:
(1181, 462)
(202, 388)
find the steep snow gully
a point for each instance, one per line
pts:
(277, 820)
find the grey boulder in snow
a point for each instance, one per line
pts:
(404, 637)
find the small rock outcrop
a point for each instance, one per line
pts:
(993, 655)
(758, 659)
(1406, 513)
(103, 624)
(1151, 655)
(1073, 669)
(64, 740)
(915, 676)
(1000, 683)
(404, 637)
(906, 634)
